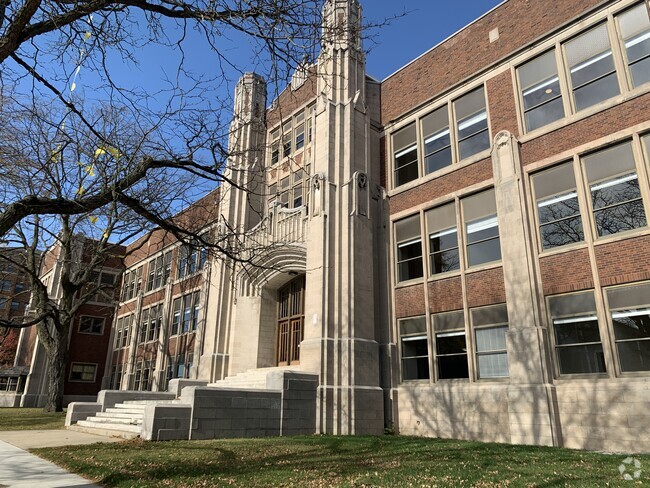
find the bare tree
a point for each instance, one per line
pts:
(85, 171)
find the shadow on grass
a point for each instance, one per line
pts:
(350, 461)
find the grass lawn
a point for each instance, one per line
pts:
(30, 419)
(324, 461)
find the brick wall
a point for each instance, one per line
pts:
(519, 22)
(409, 301)
(439, 187)
(624, 261)
(566, 272)
(445, 295)
(485, 287)
(501, 103)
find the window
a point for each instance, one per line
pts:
(577, 337)
(132, 283)
(5, 286)
(405, 155)
(285, 190)
(91, 325)
(451, 347)
(409, 249)
(11, 383)
(143, 375)
(20, 287)
(300, 136)
(558, 210)
(116, 377)
(275, 146)
(481, 228)
(286, 140)
(159, 270)
(83, 372)
(15, 305)
(298, 177)
(186, 313)
(176, 316)
(443, 239)
(630, 312)
(472, 124)
(635, 30)
(192, 258)
(540, 91)
(415, 349)
(3, 303)
(437, 140)
(615, 194)
(490, 328)
(591, 66)
(123, 331)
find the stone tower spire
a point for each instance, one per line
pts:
(341, 338)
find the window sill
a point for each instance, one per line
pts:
(444, 276)
(583, 114)
(409, 283)
(97, 334)
(437, 174)
(586, 377)
(484, 267)
(563, 249)
(622, 236)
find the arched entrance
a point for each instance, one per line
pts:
(291, 321)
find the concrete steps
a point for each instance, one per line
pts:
(253, 379)
(123, 420)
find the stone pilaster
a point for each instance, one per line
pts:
(531, 396)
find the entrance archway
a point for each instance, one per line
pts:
(291, 321)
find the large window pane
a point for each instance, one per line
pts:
(405, 155)
(443, 239)
(409, 248)
(630, 312)
(540, 90)
(615, 193)
(481, 228)
(577, 336)
(415, 349)
(593, 75)
(635, 31)
(558, 210)
(437, 140)
(472, 124)
(490, 328)
(451, 346)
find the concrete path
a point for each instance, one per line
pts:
(19, 468)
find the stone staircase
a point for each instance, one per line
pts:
(253, 379)
(123, 420)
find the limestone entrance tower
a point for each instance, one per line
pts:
(342, 325)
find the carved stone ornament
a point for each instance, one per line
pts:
(315, 182)
(363, 181)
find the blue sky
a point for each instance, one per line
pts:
(426, 24)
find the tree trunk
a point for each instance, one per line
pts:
(56, 362)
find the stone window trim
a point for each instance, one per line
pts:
(414, 365)
(131, 283)
(82, 372)
(123, 331)
(625, 83)
(428, 141)
(88, 324)
(185, 313)
(158, 271)
(450, 344)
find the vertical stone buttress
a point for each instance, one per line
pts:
(241, 201)
(339, 340)
(531, 395)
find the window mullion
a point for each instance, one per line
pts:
(620, 65)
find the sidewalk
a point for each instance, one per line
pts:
(19, 468)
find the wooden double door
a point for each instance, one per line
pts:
(291, 321)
